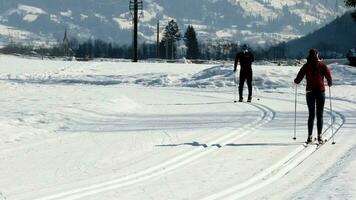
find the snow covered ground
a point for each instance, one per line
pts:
(117, 130)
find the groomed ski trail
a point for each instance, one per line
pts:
(281, 168)
(267, 115)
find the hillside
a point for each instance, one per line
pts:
(254, 21)
(335, 38)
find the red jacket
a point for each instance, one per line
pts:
(315, 77)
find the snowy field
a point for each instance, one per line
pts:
(116, 130)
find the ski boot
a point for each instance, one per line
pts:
(241, 100)
(321, 140)
(309, 140)
(249, 99)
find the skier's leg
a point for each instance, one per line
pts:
(311, 108)
(249, 84)
(241, 84)
(320, 102)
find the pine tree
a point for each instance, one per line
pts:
(351, 3)
(171, 35)
(191, 42)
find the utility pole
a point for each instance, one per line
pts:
(135, 6)
(157, 45)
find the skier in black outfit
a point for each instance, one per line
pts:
(246, 58)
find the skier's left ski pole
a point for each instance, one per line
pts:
(331, 117)
(258, 93)
(295, 112)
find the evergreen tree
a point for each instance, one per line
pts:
(191, 42)
(162, 49)
(171, 35)
(351, 3)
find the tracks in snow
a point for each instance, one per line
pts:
(267, 115)
(279, 169)
(265, 178)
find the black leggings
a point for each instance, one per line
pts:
(245, 75)
(318, 98)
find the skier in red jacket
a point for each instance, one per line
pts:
(315, 71)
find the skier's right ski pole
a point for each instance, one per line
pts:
(295, 112)
(235, 85)
(331, 117)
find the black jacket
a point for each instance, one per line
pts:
(245, 59)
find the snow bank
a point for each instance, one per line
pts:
(266, 75)
(343, 74)
(218, 76)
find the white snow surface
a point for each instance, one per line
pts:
(67, 13)
(123, 23)
(30, 9)
(31, 13)
(120, 130)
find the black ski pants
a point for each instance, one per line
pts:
(315, 98)
(245, 75)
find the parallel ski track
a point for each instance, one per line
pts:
(279, 169)
(180, 161)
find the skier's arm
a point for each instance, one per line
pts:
(328, 76)
(236, 61)
(300, 75)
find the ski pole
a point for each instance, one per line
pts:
(235, 87)
(258, 93)
(331, 117)
(295, 112)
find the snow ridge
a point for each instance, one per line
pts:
(219, 76)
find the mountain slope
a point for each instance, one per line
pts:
(255, 21)
(336, 37)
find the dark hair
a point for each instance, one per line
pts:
(313, 58)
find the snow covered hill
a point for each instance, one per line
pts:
(255, 21)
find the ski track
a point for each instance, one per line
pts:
(268, 176)
(265, 178)
(281, 168)
(325, 181)
(153, 172)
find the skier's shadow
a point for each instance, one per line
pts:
(193, 144)
(198, 144)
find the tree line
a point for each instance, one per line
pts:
(97, 48)
(168, 49)
(351, 4)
